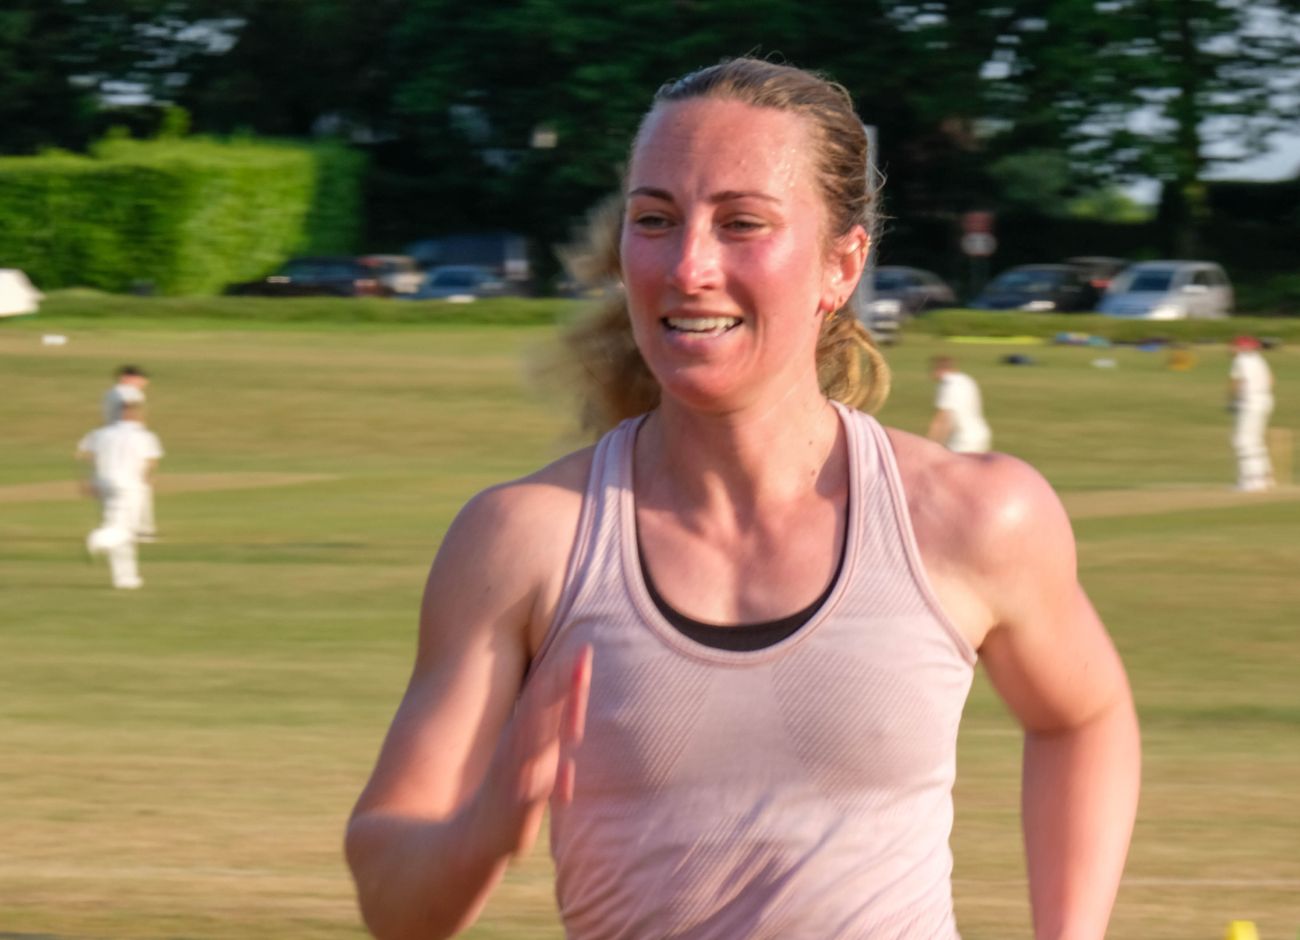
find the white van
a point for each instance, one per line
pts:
(1169, 290)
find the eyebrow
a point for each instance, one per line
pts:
(727, 195)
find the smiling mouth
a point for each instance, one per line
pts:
(702, 326)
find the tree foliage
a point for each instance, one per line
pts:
(1024, 102)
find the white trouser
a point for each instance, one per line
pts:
(1254, 469)
(144, 524)
(115, 536)
(970, 441)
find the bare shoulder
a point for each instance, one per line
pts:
(987, 526)
(505, 554)
(518, 506)
(1000, 552)
(985, 499)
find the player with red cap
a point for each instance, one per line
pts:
(1250, 396)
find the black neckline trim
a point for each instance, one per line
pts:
(745, 637)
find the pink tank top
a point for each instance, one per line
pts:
(801, 790)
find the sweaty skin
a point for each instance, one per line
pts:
(741, 493)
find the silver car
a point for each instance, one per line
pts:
(1169, 290)
(893, 294)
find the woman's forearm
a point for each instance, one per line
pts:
(421, 878)
(1079, 800)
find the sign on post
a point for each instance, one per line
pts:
(977, 238)
(978, 244)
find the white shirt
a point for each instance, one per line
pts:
(122, 452)
(123, 393)
(960, 397)
(1254, 380)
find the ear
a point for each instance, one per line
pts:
(844, 263)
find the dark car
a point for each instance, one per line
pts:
(399, 274)
(1041, 287)
(1100, 270)
(459, 282)
(317, 277)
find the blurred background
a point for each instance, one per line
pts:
(182, 146)
(241, 197)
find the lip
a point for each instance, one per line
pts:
(707, 323)
(702, 325)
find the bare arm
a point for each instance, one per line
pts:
(940, 426)
(86, 483)
(468, 765)
(1050, 658)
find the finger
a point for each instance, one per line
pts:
(532, 824)
(545, 702)
(537, 775)
(554, 710)
(575, 722)
(548, 721)
(564, 781)
(536, 724)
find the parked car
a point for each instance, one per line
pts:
(503, 252)
(398, 273)
(316, 277)
(1100, 270)
(1170, 290)
(897, 294)
(1042, 287)
(459, 282)
(915, 290)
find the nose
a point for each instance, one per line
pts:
(697, 267)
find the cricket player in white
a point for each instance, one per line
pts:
(124, 455)
(958, 421)
(129, 389)
(1250, 399)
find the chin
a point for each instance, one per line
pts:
(703, 394)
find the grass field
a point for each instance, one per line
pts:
(179, 761)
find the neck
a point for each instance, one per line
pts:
(745, 459)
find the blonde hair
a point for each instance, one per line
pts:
(612, 378)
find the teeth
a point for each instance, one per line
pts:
(702, 324)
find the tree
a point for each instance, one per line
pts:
(517, 113)
(296, 67)
(1129, 88)
(1211, 71)
(43, 45)
(584, 72)
(67, 65)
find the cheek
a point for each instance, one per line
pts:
(791, 275)
(643, 274)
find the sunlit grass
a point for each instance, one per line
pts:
(180, 761)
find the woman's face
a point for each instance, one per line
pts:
(724, 253)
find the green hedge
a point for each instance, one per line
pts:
(1279, 295)
(174, 216)
(1114, 329)
(90, 305)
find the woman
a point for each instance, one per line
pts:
(773, 604)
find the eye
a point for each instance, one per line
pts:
(651, 221)
(744, 225)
